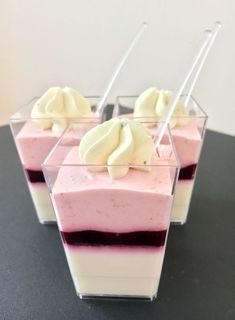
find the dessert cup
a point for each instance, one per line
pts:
(188, 140)
(114, 231)
(33, 145)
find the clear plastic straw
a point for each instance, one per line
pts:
(133, 43)
(203, 59)
(202, 54)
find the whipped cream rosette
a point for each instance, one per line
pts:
(56, 106)
(153, 103)
(118, 143)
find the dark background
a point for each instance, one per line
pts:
(198, 279)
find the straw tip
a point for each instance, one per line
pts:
(144, 23)
(218, 24)
(208, 32)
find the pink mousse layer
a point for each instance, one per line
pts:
(93, 201)
(188, 141)
(34, 143)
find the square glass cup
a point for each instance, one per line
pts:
(188, 140)
(33, 144)
(114, 231)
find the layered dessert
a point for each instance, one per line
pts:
(188, 142)
(112, 196)
(36, 129)
(187, 129)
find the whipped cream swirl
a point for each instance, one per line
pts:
(153, 103)
(56, 106)
(117, 142)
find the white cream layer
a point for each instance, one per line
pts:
(42, 202)
(115, 272)
(182, 200)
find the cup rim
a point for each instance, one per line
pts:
(202, 116)
(46, 162)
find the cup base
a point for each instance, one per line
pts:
(115, 297)
(178, 223)
(47, 222)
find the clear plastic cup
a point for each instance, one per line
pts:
(114, 231)
(33, 145)
(188, 140)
